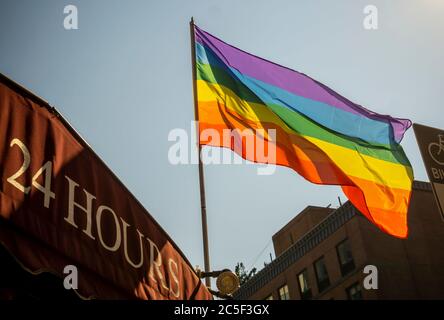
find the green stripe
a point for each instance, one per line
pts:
(301, 124)
(305, 127)
(217, 75)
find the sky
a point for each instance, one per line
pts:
(123, 80)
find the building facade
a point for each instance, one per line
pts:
(322, 254)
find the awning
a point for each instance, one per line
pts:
(60, 205)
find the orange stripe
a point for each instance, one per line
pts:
(319, 171)
(365, 167)
(386, 207)
(392, 220)
(215, 115)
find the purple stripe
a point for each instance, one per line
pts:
(292, 81)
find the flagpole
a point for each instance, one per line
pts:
(203, 208)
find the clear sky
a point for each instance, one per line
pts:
(123, 80)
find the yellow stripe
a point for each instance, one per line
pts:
(256, 112)
(359, 165)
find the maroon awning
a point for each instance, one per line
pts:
(60, 205)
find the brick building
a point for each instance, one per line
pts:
(321, 254)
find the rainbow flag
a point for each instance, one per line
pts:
(321, 135)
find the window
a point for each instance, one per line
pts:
(354, 292)
(283, 293)
(321, 274)
(270, 297)
(345, 257)
(304, 286)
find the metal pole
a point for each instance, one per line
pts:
(201, 172)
